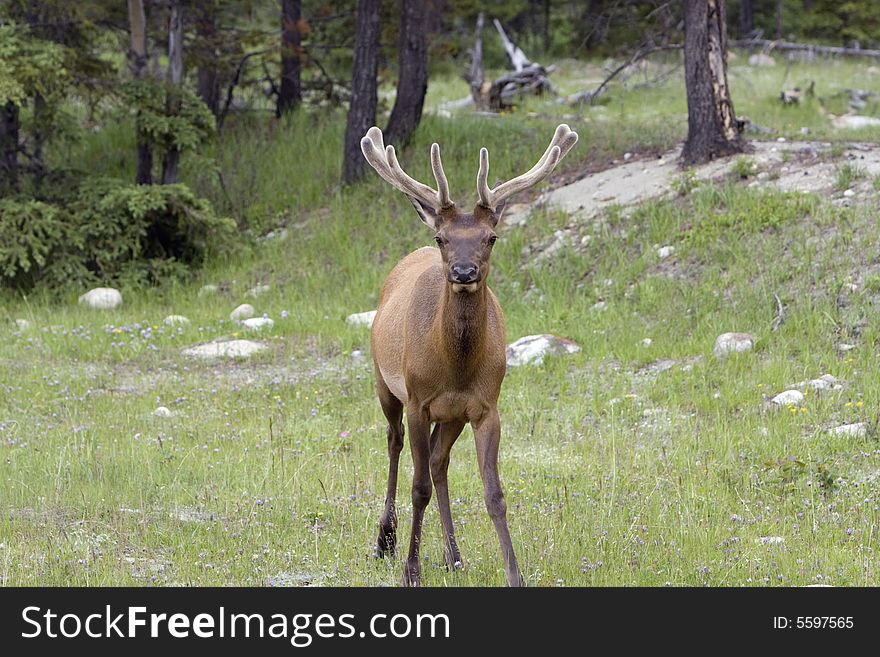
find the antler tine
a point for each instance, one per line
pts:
(384, 160)
(563, 141)
(440, 176)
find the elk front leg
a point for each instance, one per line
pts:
(488, 437)
(442, 440)
(393, 410)
(420, 446)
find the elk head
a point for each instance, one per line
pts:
(465, 239)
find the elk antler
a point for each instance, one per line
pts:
(384, 160)
(563, 141)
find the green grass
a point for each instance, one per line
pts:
(622, 464)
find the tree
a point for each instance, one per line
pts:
(138, 63)
(207, 75)
(10, 125)
(412, 84)
(290, 94)
(362, 110)
(713, 129)
(171, 162)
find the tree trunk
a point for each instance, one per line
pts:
(547, 33)
(746, 18)
(10, 124)
(171, 163)
(138, 62)
(413, 82)
(362, 110)
(779, 6)
(713, 129)
(208, 79)
(290, 94)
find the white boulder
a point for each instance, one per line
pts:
(244, 311)
(531, 349)
(102, 298)
(224, 349)
(362, 319)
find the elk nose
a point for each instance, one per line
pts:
(465, 273)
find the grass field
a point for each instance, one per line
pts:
(623, 464)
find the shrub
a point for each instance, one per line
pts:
(110, 232)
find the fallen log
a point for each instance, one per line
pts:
(528, 78)
(768, 45)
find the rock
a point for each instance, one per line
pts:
(599, 306)
(855, 122)
(665, 251)
(733, 343)
(849, 193)
(244, 311)
(531, 349)
(627, 157)
(788, 398)
(843, 347)
(357, 355)
(770, 540)
(760, 59)
(647, 342)
(22, 324)
(102, 298)
(362, 319)
(824, 382)
(224, 349)
(208, 289)
(163, 411)
(254, 292)
(171, 320)
(257, 323)
(805, 131)
(856, 430)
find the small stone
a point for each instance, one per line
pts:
(531, 349)
(627, 157)
(102, 298)
(789, 398)
(843, 347)
(805, 131)
(163, 411)
(171, 320)
(208, 289)
(856, 122)
(856, 430)
(849, 193)
(599, 306)
(781, 140)
(257, 323)
(224, 349)
(244, 311)
(362, 319)
(770, 540)
(22, 324)
(254, 292)
(665, 251)
(647, 342)
(733, 343)
(357, 355)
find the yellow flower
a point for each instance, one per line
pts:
(848, 404)
(859, 404)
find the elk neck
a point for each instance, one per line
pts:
(463, 323)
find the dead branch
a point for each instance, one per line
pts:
(767, 46)
(591, 96)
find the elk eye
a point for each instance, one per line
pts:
(493, 239)
(439, 240)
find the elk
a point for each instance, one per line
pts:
(439, 348)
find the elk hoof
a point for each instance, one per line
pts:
(412, 575)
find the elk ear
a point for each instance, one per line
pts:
(426, 213)
(499, 212)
